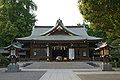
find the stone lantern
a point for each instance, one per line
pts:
(13, 66)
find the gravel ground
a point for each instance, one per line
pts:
(100, 77)
(21, 75)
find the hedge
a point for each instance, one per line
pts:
(3, 61)
(114, 63)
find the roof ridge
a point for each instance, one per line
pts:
(53, 26)
(59, 25)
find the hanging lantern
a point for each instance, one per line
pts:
(54, 48)
(64, 48)
(61, 47)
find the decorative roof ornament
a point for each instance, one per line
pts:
(59, 21)
(59, 26)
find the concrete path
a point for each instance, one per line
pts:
(59, 74)
(60, 65)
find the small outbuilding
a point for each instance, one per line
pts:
(104, 51)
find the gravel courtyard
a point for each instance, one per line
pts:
(100, 77)
(21, 75)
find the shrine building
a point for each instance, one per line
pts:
(49, 42)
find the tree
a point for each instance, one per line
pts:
(103, 15)
(91, 32)
(97, 33)
(16, 19)
(116, 45)
(3, 61)
(8, 34)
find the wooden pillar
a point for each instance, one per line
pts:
(16, 52)
(87, 51)
(31, 49)
(104, 58)
(103, 51)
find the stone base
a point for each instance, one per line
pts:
(107, 67)
(13, 67)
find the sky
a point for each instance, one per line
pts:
(49, 11)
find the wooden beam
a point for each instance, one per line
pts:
(31, 49)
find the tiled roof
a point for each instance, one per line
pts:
(16, 45)
(39, 31)
(103, 45)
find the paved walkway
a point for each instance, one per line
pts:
(58, 71)
(77, 74)
(60, 65)
(59, 74)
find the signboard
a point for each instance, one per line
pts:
(47, 51)
(35, 53)
(71, 53)
(12, 52)
(84, 54)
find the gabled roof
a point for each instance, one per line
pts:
(39, 30)
(44, 33)
(59, 25)
(103, 45)
(15, 45)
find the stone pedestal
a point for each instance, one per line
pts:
(13, 68)
(107, 67)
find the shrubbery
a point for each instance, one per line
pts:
(114, 64)
(3, 61)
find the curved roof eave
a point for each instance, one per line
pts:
(61, 24)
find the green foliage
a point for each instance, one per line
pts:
(16, 19)
(103, 15)
(114, 63)
(3, 60)
(91, 32)
(97, 33)
(79, 25)
(116, 43)
(8, 34)
(116, 51)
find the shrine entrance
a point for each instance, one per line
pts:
(59, 52)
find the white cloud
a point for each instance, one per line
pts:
(51, 10)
